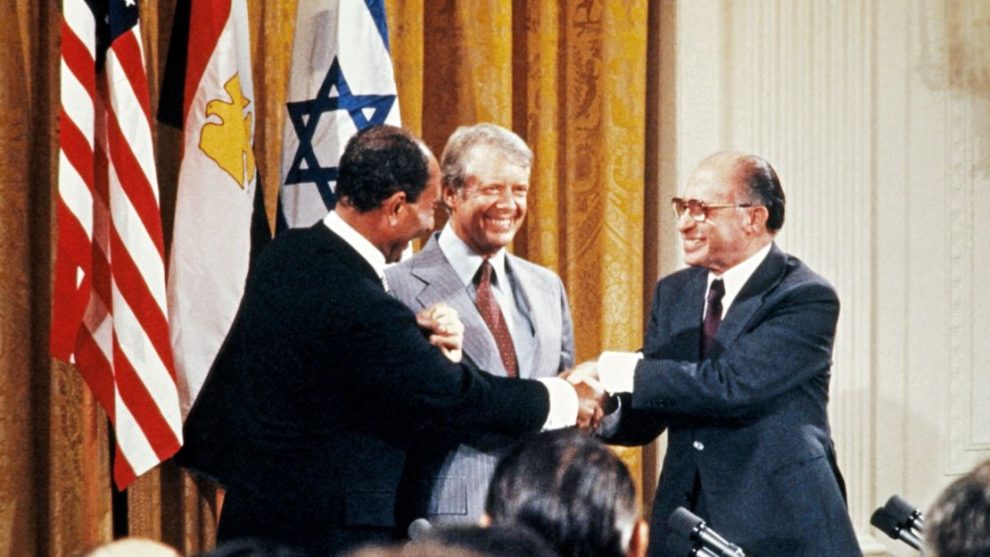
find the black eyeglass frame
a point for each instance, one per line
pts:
(699, 209)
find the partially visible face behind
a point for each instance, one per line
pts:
(721, 242)
(490, 207)
(417, 218)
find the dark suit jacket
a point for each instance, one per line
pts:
(321, 386)
(454, 476)
(751, 419)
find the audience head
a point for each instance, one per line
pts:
(254, 547)
(958, 524)
(133, 547)
(485, 184)
(572, 490)
(466, 541)
(732, 207)
(387, 172)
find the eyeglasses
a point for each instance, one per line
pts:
(699, 209)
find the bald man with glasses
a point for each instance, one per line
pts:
(735, 368)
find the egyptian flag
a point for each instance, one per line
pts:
(219, 198)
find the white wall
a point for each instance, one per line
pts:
(876, 115)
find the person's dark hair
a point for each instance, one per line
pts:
(569, 488)
(764, 188)
(958, 524)
(379, 161)
(466, 541)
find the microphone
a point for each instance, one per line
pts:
(891, 519)
(419, 528)
(905, 513)
(686, 523)
(681, 545)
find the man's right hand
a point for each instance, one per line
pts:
(591, 395)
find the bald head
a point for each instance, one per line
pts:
(755, 181)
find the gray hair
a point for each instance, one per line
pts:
(453, 163)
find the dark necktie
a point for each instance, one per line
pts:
(713, 318)
(492, 314)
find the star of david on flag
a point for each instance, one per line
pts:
(341, 82)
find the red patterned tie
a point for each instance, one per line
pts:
(714, 316)
(492, 314)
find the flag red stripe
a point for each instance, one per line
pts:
(142, 302)
(129, 54)
(77, 58)
(72, 251)
(76, 148)
(206, 23)
(123, 474)
(134, 182)
(96, 371)
(143, 406)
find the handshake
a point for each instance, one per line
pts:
(593, 401)
(445, 330)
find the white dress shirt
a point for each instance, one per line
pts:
(362, 245)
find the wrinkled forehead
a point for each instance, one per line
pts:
(487, 163)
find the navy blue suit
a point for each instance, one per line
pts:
(748, 425)
(319, 390)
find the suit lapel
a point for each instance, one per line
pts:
(443, 285)
(688, 313)
(750, 298)
(529, 298)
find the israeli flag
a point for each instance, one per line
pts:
(341, 82)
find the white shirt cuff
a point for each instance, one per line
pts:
(617, 370)
(563, 403)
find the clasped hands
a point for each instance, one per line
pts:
(592, 397)
(446, 331)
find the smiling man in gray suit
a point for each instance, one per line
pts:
(516, 317)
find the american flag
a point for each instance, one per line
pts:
(109, 313)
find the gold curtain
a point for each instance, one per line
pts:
(570, 77)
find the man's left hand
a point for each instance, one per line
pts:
(445, 329)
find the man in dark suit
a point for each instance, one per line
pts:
(485, 183)
(325, 380)
(735, 368)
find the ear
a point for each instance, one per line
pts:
(640, 539)
(448, 193)
(392, 206)
(485, 521)
(758, 217)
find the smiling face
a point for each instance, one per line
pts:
(729, 235)
(490, 207)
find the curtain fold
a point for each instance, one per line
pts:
(569, 77)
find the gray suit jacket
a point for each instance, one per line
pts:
(447, 482)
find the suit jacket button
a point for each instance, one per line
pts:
(699, 445)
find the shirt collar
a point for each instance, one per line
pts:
(362, 245)
(735, 278)
(464, 260)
